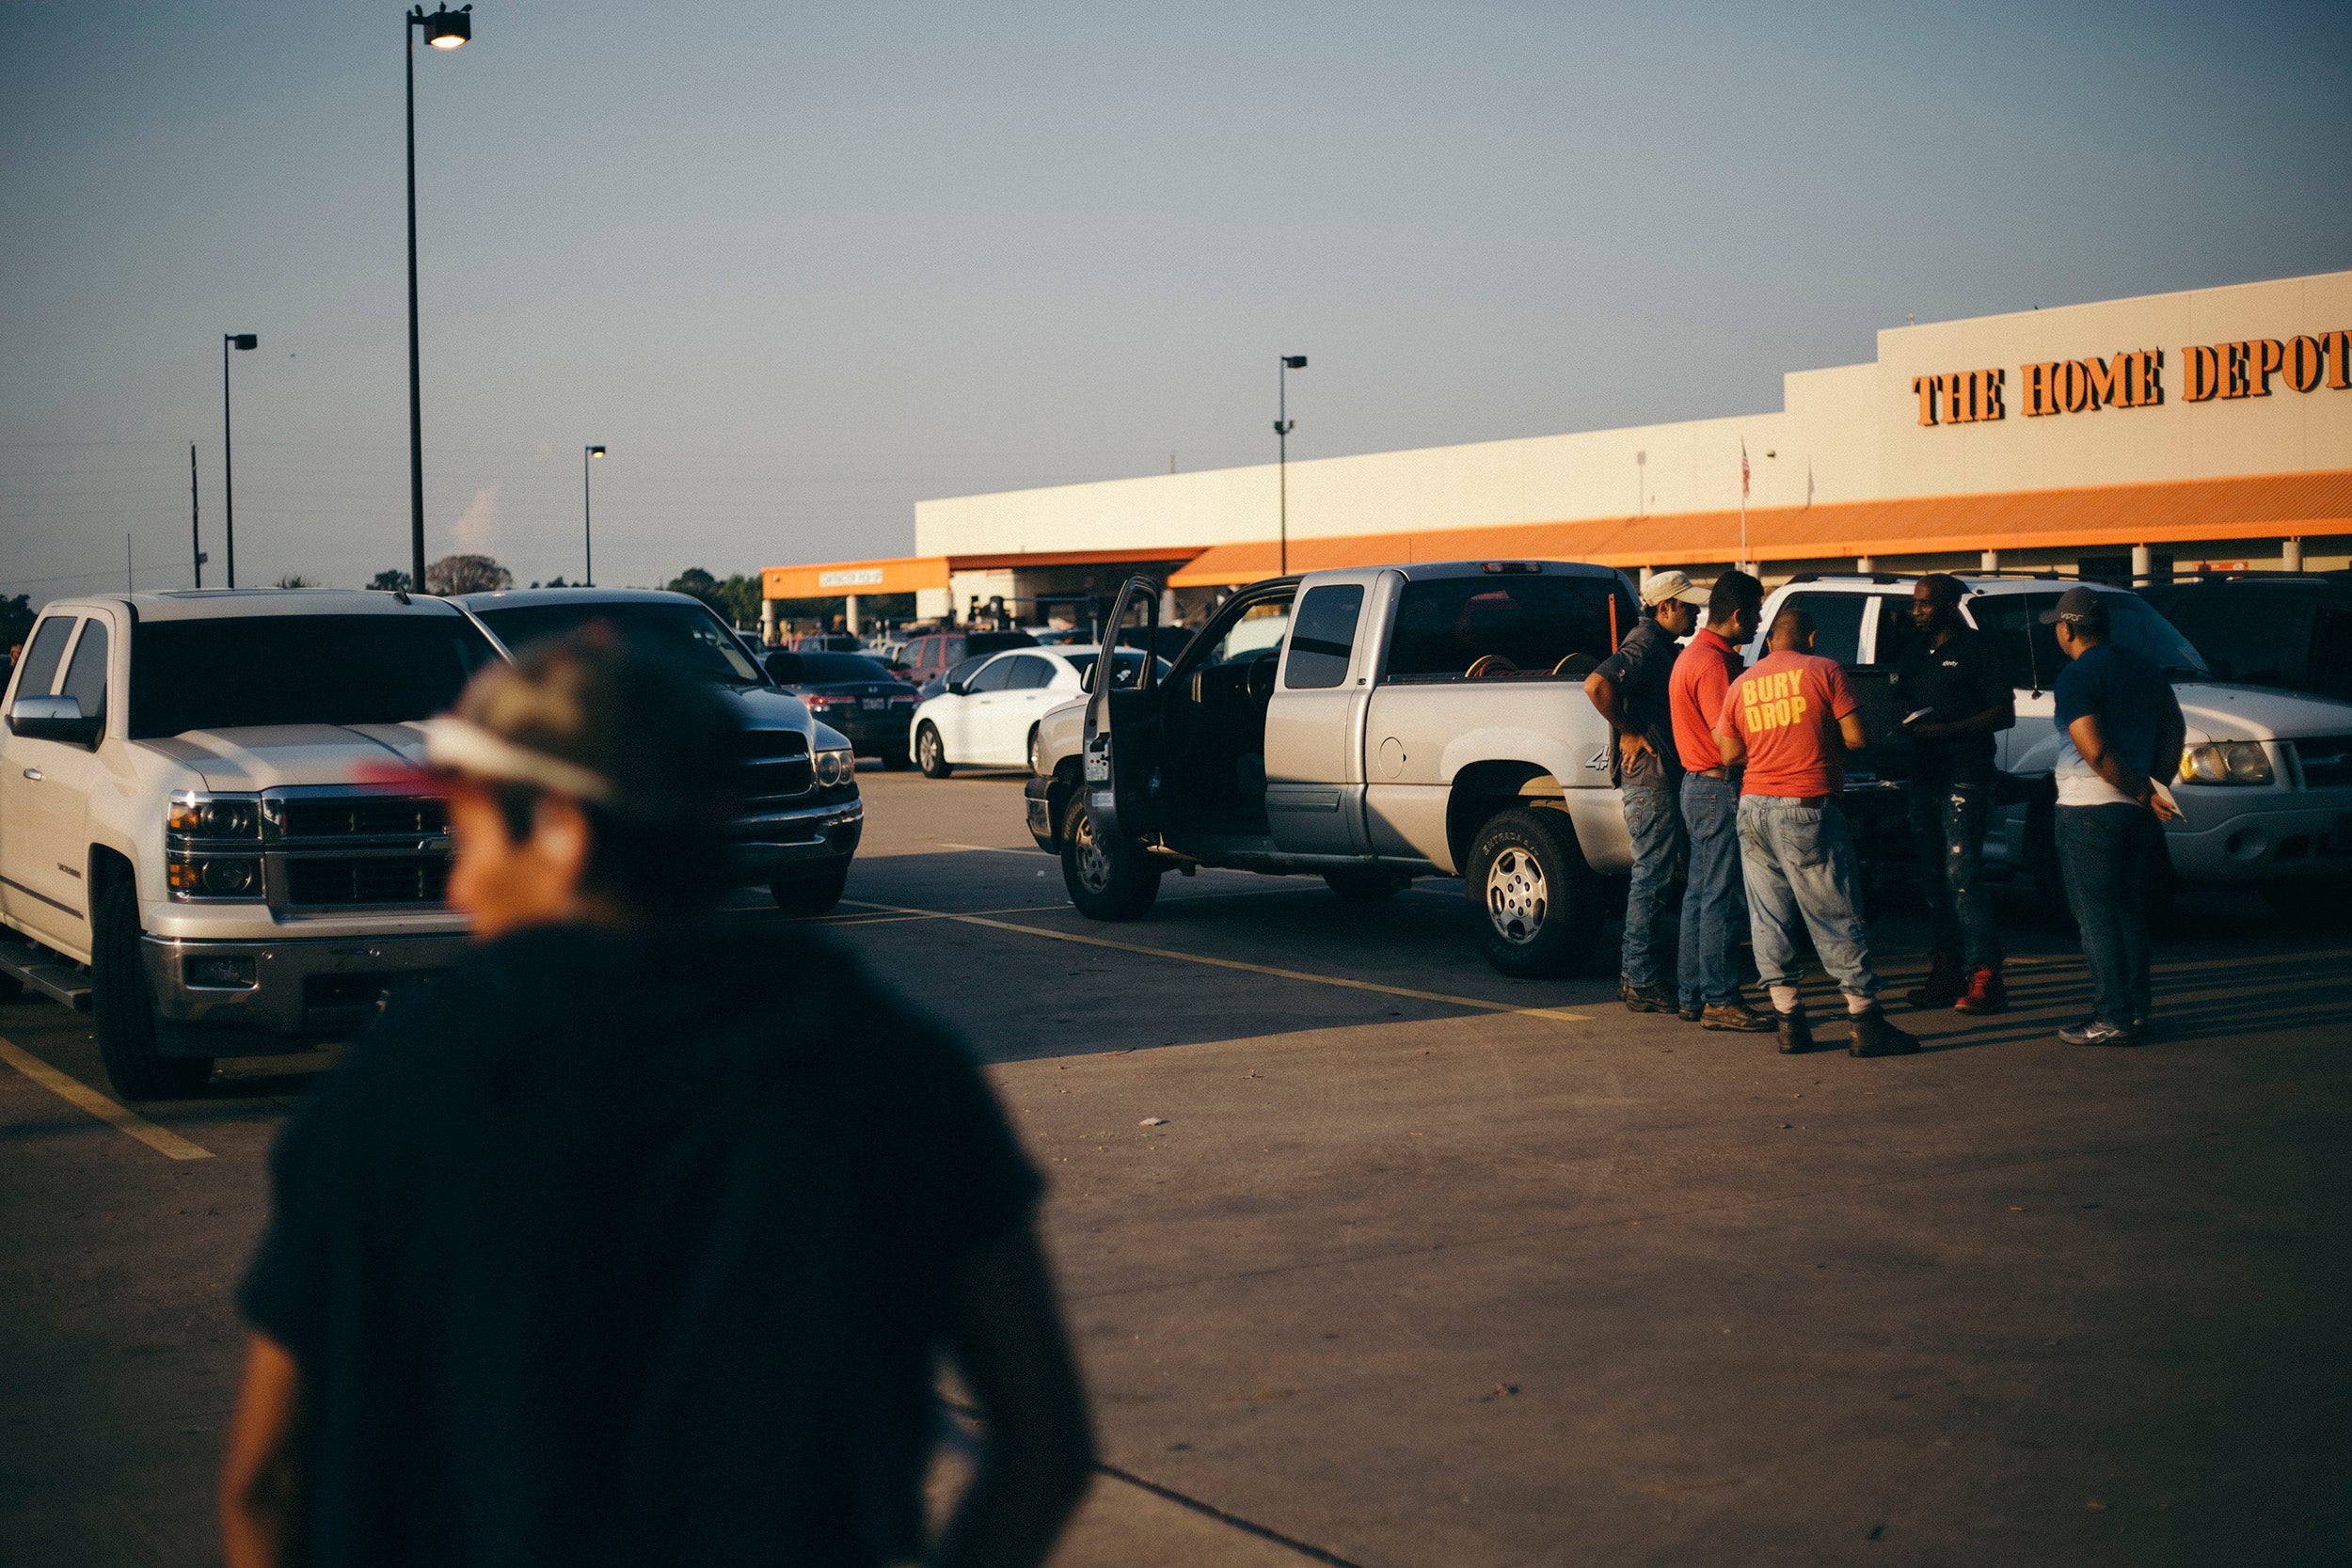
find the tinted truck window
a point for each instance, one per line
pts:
(1836, 624)
(298, 670)
(1445, 625)
(1324, 637)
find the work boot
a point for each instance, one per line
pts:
(1690, 1012)
(1942, 986)
(1796, 1032)
(1734, 1018)
(1985, 993)
(1873, 1035)
(1642, 999)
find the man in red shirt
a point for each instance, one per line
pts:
(1791, 720)
(1707, 975)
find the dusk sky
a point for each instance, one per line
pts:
(800, 268)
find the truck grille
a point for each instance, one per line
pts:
(776, 765)
(359, 816)
(330, 879)
(2326, 763)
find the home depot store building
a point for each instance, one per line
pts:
(2133, 437)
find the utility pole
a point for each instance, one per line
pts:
(1283, 425)
(196, 535)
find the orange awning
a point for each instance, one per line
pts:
(2263, 506)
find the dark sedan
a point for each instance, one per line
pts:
(855, 695)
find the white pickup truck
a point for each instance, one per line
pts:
(196, 842)
(2265, 789)
(1367, 726)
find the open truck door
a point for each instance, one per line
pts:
(1104, 864)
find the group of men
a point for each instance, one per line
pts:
(1732, 775)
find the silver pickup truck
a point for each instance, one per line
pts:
(1368, 726)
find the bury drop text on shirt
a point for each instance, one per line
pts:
(1786, 710)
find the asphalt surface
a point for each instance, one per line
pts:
(1414, 1264)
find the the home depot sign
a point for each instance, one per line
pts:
(2134, 378)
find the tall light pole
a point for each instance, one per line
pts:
(1283, 425)
(444, 29)
(228, 454)
(587, 536)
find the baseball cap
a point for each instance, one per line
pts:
(1662, 586)
(2081, 607)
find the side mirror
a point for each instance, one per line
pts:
(56, 719)
(957, 688)
(785, 667)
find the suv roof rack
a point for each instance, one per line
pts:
(1847, 576)
(2027, 574)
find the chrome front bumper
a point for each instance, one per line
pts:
(789, 846)
(277, 994)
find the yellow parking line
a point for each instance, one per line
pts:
(1479, 1003)
(162, 1140)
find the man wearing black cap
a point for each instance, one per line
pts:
(633, 1239)
(2122, 731)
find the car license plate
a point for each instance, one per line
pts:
(876, 705)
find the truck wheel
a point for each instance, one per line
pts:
(2049, 875)
(1366, 886)
(1037, 762)
(1108, 880)
(931, 752)
(810, 894)
(1537, 905)
(130, 1036)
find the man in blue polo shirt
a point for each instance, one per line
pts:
(2123, 731)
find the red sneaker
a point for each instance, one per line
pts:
(1942, 987)
(1985, 993)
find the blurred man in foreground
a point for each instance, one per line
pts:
(632, 1241)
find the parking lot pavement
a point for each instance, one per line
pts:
(1377, 1256)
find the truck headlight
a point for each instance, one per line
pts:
(195, 815)
(834, 768)
(2228, 762)
(214, 877)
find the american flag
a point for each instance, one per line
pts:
(1743, 465)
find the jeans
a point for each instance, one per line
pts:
(1711, 900)
(1947, 828)
(2105, 853)
(1799, 861)
(1655, 825)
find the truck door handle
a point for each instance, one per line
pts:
(33, 773)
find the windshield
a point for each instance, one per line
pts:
(685, 632)
(819, 669)
(2029, 650)
(298, 670)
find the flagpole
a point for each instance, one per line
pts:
(1743, 503)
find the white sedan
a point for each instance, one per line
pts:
(988, 717)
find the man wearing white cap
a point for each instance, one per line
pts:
(1630, 690)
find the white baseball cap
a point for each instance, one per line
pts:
(1660, 586)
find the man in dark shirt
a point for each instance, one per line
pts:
(2121, 729)
(1630, 690)
(632, 1241)
(1955, 698)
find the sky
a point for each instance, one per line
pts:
(799, 267)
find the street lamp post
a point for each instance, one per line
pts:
(1283, 425)
(228, 455)
(587, 536)
(444, 29)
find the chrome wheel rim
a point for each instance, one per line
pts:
(1093, 859)
(928, 744)
(1517, 898)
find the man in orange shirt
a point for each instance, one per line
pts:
(1707, 974)
(1791, 720)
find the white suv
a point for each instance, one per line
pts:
(2264, 785)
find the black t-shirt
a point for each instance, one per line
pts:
(629, 1250)
(1957, 681)
(1640, 669)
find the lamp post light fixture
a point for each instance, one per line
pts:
(1283, 425)
(587, 535)
(228, 454)
(445, 29)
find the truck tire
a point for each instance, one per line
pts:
(1364, 885)
(130, 1036)
(1537, 905)
(810, 896)
(931, 752)
(1108, 880)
